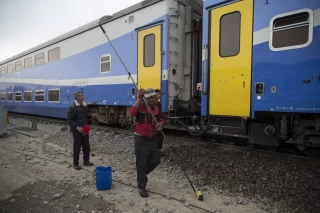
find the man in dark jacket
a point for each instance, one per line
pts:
(77, 117)
(146, 129)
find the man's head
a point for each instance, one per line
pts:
(158, 93)
(150, 96)
(78, 96)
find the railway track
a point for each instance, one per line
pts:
(223, 141)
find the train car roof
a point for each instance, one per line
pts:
(83, 28)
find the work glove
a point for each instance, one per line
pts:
(141, 94)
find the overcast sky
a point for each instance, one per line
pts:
(27, 23)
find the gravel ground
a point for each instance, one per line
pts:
(271, 181)
(37, 196)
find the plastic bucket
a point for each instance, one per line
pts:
(103, 177)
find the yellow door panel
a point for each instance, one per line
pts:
(230, 59)
(149, 58)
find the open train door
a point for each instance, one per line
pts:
(230, 59)
(149, 58)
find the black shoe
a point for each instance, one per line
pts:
(77, 167)
(88, 163)
(143, 193)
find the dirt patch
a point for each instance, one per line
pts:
(37, 196)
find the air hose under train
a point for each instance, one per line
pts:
(198, 133)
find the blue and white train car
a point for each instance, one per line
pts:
(154, 39)
(261, 76)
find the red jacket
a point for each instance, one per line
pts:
(145, 124)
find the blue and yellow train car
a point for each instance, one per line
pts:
(261, 76)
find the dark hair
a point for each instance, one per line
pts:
(157, 90)
(76, 94)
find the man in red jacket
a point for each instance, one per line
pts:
(146, 129)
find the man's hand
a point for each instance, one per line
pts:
(159, 126)
(141, 94)
(80, 129)
(94, 116)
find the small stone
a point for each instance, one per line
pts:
(77, 206)
(72, 196)
(113, 199)
(45, 202)
(12, 200)
(186, 204)
(83, 195)
(225, 203)
(56, 196)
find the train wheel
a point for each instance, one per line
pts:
(128, 124)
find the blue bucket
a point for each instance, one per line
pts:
(103, 177)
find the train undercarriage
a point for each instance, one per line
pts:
(272, 130)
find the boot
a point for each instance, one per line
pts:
(77, 167)
(143, 193)
(88, 163)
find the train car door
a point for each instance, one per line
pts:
(81, 86)
(149, 57)
(230, 59)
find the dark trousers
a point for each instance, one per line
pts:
(160, 139)
(147, 158)
(78, 141)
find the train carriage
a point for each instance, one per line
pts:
(153, 39)
(261, 77)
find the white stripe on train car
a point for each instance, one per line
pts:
(110, 80)
(262, 35)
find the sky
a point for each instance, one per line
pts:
(27, 23)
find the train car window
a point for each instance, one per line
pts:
(10, 96)
(28, 63)
(39, 59)
(149, 50)
(18, 66)
(290, 31)
(39, 96)
(54, 54)
(230, 34)
(27, 96)
(105, 63)
(53, 95)
(18, 96)
(3, 96)
(3, 71)
(10, 68)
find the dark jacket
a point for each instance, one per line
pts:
(77, 116)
